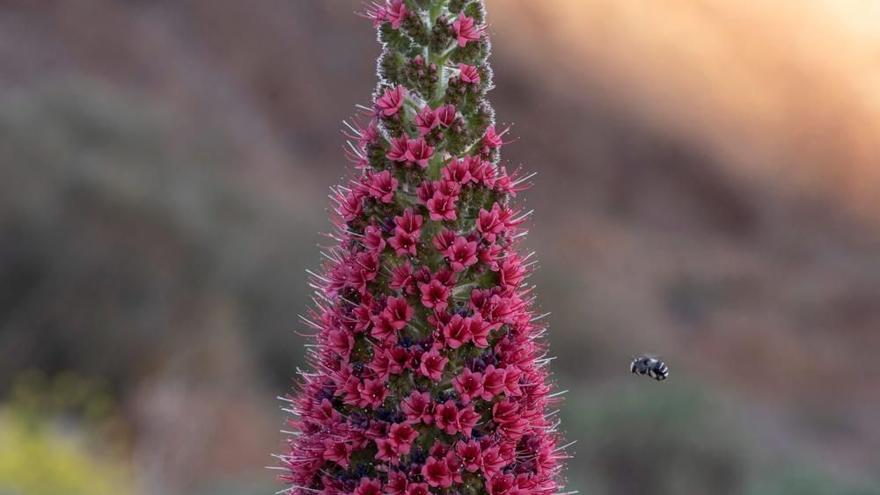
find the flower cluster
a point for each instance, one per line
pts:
(428, 373)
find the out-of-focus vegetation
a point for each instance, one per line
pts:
(59, 436)
(681, 439)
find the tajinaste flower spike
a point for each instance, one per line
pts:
(428, 372)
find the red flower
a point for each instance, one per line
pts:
(397, 483)
(396, 13)
(398, 149)
(443, 239)
(456, 333)
(373, 393)
(382, 186)
(479, 330)
(418, 152)
(446, 114)
(409, 222)
(426, 120)
(492, 140)
(436, 473)
(350, 206)
(390, 102)
(383, 328)
(368, 487)
(492, 462)
(469, 74)
(493, 382)
(373, 239)
(467, 420)
(501, 484)
(457, 171)
(432, 365)
(442, 207)
(469, 453)
(490, 223)
(469, 385)
(404, 244)
(338, 452)
(461, 254)
(401, 437)
(418, 406)
(466, 30)
(402, 278)
(418, 489)
(398, 312)
(434, 295)
(407, 324)
(393, 12)
(446, 417)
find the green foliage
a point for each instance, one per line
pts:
(44, 440)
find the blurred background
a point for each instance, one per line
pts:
(708, 190)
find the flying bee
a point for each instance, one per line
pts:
(651, 366)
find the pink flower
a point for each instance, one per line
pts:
(457, 171)
(402, 278)
(401, 437)
(469, 453)
(468, 385)
(479, 330)
(397, 152)
(446, 417)
(398, 312)
(493, 382)
(443, 240)
(382, 186)
(396, 13)
(490, 224)
(391, 101)
(469, 74)
(410, 363)
(434, 295)
(418, 407)
(467, 420)
(373, 239)
(436, 473)
(456, 333)
(409, 222)
(511, 272)
(399, 360)
(501, 484)
(492, 462)
(373, 393)
(419, 152)
(418, 489)
(466, 30)
(338, 452)
(446, 115)
(442, 207)
(426, 191)
(432, 365)
(403, 243)
(383, 329)
(397, 483)
(341, 342)
(507, 415)
(461, 254)
(368, 487)
(426, 120)
(350, 206)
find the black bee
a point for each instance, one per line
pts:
(651, 366)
